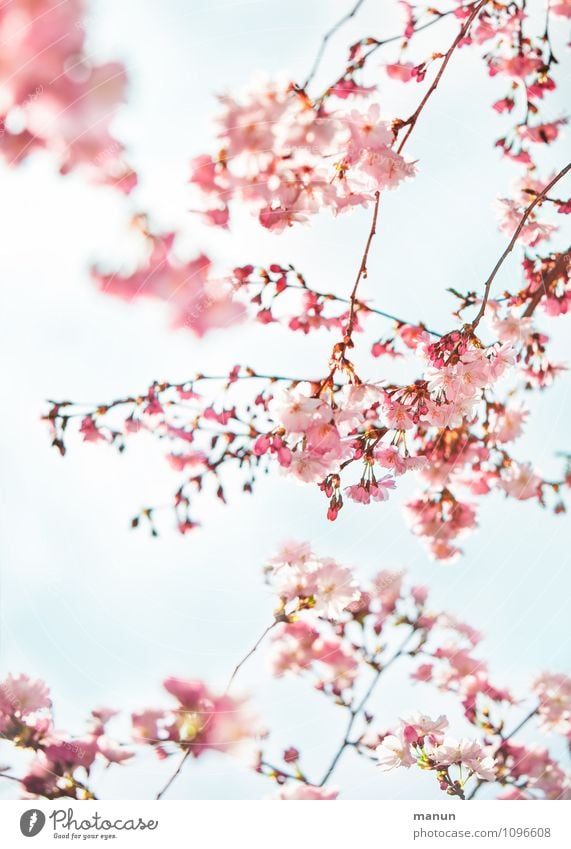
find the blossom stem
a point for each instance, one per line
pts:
(520, 725)
(247, 656)
(537, 199)
(363, 267)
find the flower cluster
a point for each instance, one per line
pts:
(348, 655)
(343, 636)
(62, 763)
(421, 741)
(198, 300)
(54, 97)
(288, 158)
(201, 721)
(453, 426)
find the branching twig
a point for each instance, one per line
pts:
(410, 123)
(505, 738)
(538, 198)
(354, 712)
(329, 34)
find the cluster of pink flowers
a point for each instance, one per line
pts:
(62, 763)
(337, 655)
(53, 96)
(302, 580)
(342, 636)
(289, 158)
(511, 210)
(421, 741)
(452, 426)
(201, 721)
(529, 772)
(198, 299)
(528, 62)
(287, 155)
(554, 693)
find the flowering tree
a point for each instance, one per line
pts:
(286, 155)
(342, 637)
(288, 152)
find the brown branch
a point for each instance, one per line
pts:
(324, 41)
(538, 198)
(512, 733)
(354, 712)
(339, 353)
(338, 357)
(411, 122)
(559, 269)
(363, 267)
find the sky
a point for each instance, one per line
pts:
(104, 613)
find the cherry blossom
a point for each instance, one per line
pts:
(54, 97)
(343, 657)
(395, 400)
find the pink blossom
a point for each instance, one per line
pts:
(112, 751)
(508, 424)
(554, 693)
(301, 792)
(394, 752)
(296, 410)
(400, 71)
(468, 753)
(561, 8)
(520, 481)
(309, 468)
(335, 588)
(20, 696)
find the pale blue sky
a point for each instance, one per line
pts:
(104, 613)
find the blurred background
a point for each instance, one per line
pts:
(104, 613)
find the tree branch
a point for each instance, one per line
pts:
(411, 122)
(329, 34)
(538, 198)
(354, 712)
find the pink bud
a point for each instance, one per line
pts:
(261, 445)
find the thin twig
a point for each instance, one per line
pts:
(356, 711)
(360, 306)
(363, 267)
(327, 36)
(254, 648)
(175, 775)
(538, 198)
(520, 725)
(512, 733)
(411, 122)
